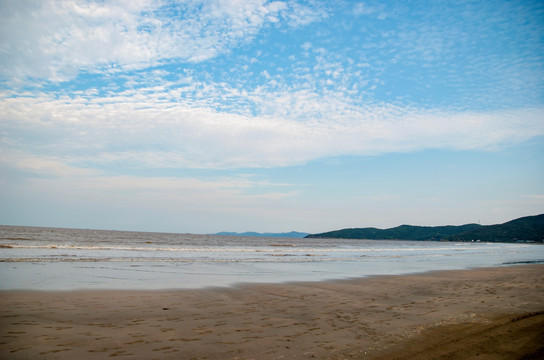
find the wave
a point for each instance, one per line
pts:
(272, 258)
(271, 248)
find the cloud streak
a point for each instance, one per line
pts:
(147, 129)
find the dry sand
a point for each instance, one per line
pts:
(492, 313)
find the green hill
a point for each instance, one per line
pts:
(530, 228)
(403, 232)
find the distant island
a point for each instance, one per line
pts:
(525, 229)
(292, 234)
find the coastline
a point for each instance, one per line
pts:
(392, 316)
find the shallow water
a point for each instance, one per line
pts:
(66, 259)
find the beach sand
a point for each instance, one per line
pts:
(491, 313)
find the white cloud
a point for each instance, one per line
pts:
(57, 178)
(149, 129)
(320, 111)
(55, 40)
(301, 14)
(363, 9)
(43, 165)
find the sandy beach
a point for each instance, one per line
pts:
(490, 313)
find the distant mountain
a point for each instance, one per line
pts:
(403, 232)
(292, 234)
(530, 228)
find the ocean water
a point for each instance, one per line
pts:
(68, 259)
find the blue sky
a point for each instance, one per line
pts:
(204, 116)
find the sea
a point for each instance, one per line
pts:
(38, 258)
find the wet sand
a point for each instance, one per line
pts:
(492, 313)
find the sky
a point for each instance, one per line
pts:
(201, 116)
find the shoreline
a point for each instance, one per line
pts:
(370, 318)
